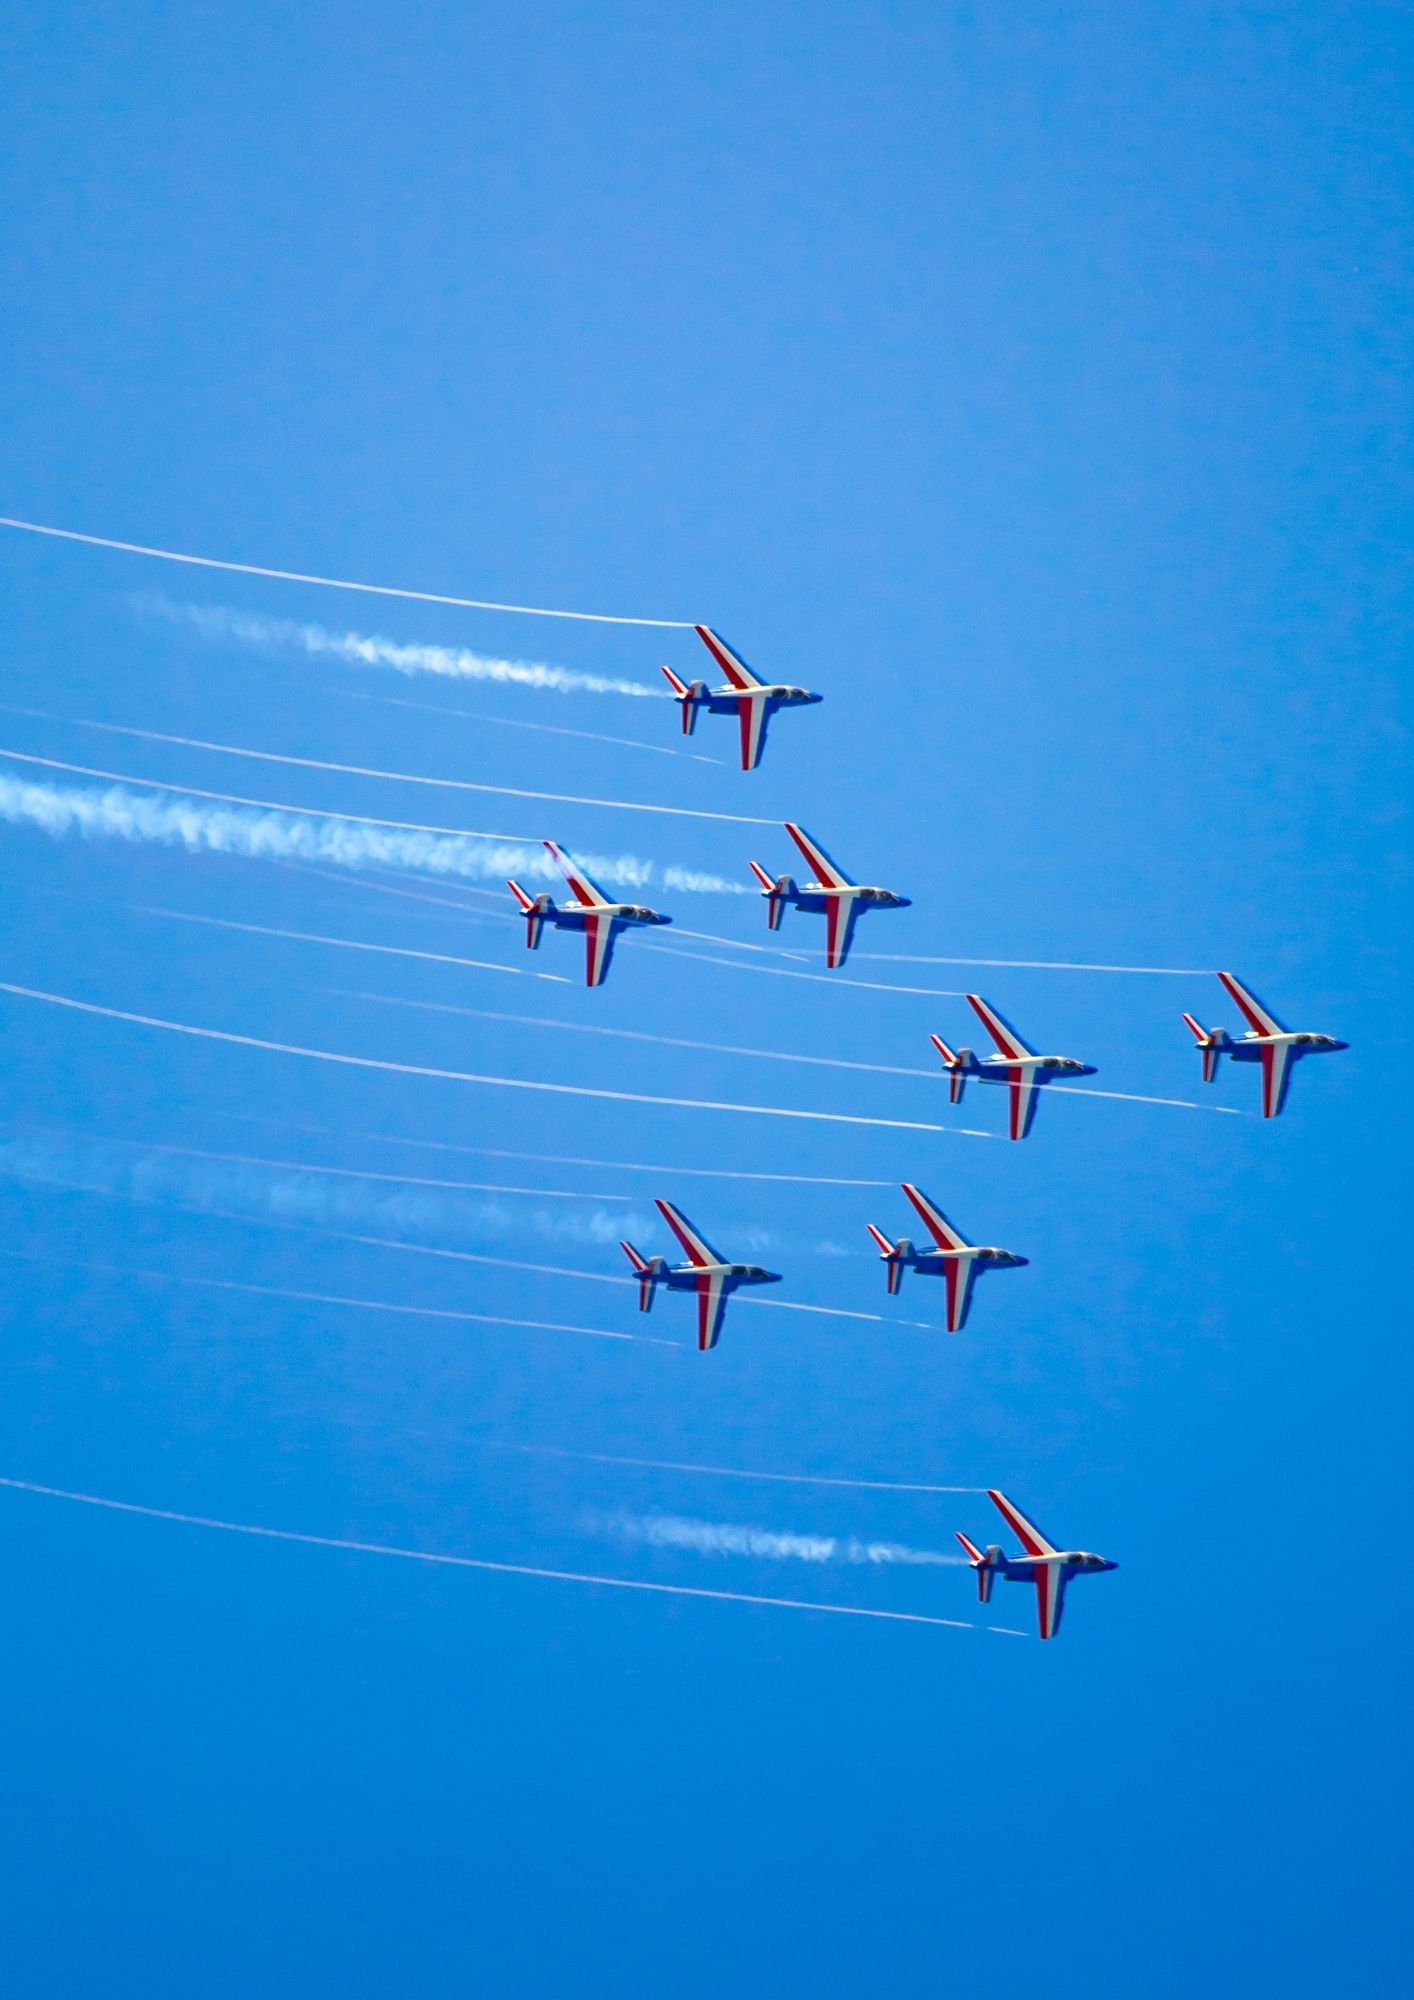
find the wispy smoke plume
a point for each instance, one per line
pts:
(133, 1173)
(114, 812)
(726, 1538)
(358, 649)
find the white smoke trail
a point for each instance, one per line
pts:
(399, 777)
(520, 722)
(477, 1562)
(262, 831)
(735, 1472)
(816, 978)
(1035, 964)
(358, 649)
(727, 1538)
(561, 1159)
(453, 1075)
(331, 582)
(347, 944)
(333, 1299)
(642, 1035)
(212, 1181)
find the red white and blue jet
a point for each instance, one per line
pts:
(590, 912)
(752, 701)
(830, 893)
(954, 1259)
(1016, 1064)
(1043, 1564)
(705, 1273)
(1266, 1042)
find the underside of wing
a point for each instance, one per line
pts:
(1026, 1531)
(598, 948)
(1259, 1019)
(711, 1307)
(1008, 1042)
(753, 712)
(1276, 1076)
(960, 1273)
(733, 666)
(1021, 1096)
(816, 859)
(586, 892)
(1051, 1579)
(840, 912)
(698, 1250)
(934, 1221)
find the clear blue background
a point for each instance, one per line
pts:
(1033, 381)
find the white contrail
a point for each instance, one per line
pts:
(1120, 1096)
(135, 1172)
(332, 582)
(478, 1562)
(561, 1159)
(816, 978)
(347, 944)
(264, 831)
(452, 1075)
(735, 1472)
(1035, 964)
(331, 1299)
(641, 1035)
(396, 777)
(729, 1538)
(519, 722)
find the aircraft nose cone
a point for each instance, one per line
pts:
(1019, 1261)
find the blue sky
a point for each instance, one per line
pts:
(1032, 382)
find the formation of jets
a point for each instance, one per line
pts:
(827, 891)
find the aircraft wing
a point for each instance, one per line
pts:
(732, 665)
(598, 949)
(699, 1250)
(1257, 1017)
(586, 892)
(1051, 1580)
(816, 858)
(958, 1274)
(934, 1221)
(1026, 1532)
(1008, 1042)
(754, 712)
(711, 1306)
(1276, 1075)
(839, 929)
(1021, 1090)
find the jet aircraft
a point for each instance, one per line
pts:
(1266, 1042)
(590, 912)
(955, 1259)
(830, 892)
(1016, 1064)
(1044, 1565)
(705, 1273)
(752, 701)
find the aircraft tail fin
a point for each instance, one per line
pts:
(535, 909)
(985, 1564)
(1211, 1043)
(689, 695)
(650, 1272)
(777, 891)
(895, 1258)
(958, 1063)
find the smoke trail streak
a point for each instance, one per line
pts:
(395, 777)
(347, 944)
(302, 831)
(1121, 1096)
(560, 1159)
(452, 1075)
(332, 582)
(728, 1538)
(476, 1562)
(1036, 964)
(329, 1299)
(518, 722)
(136, 1172)
(658, 1041)
(734, 1472)
(817, 978)
(353, 1173)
